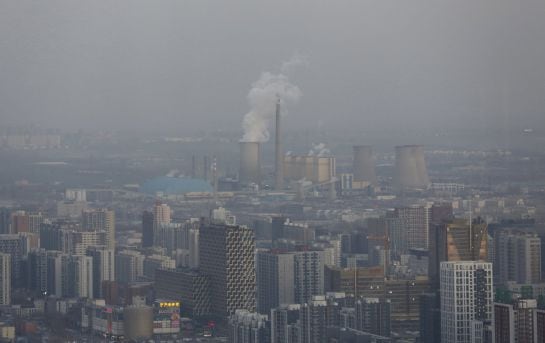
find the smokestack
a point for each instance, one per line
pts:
(249, 163)
(206, 168)
(279, 154)
(215, 177)
(364, 164)
(410, 169)
(193, 166)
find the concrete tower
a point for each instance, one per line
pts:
(364, 164)
(410, 168)
(279, 154)
(250, 165)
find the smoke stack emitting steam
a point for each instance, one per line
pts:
(267, 98)
(410, 170)
(263, 97)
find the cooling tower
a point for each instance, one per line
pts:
(250, 165)
(410, 168)
(364, 164)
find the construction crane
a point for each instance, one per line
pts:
(386, 241)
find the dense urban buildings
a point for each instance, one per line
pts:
(168, 173)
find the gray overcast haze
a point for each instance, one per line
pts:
(190, 64)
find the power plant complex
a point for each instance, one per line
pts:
(410, 172)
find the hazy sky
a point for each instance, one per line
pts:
(189, 64)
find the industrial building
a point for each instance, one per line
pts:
(315, 169)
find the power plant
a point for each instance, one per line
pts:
(250, 163)
(364, 164)
(410, 168)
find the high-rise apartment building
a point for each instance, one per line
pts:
(288, 277)
(103, 268)
(5, 221)
(284, 323)
(22, 221)
(100, 220)
(5, 279)
(430, 318)
(41, 273)
(466, 300)
(368, 318)
(540, 326)
(77, 242)
(147, 229)
(373, 315)
(440, 212)
(309, 275)
(516, 322)
(186, 285)
(161, 213)
(249, 327)
(72, 276)
(174, 236)
(414, 220)
(153, 262)
(227, 257)
(129, 266)
(275, 273)
(456, 240)
(517, 257)
(17, 246)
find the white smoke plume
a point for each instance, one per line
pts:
(262, 99)
(319, 150)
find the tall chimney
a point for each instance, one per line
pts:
(279, 154)
(215, 177)
(193, 166)
(206, 168)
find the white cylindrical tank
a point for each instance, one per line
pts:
(138, 322)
